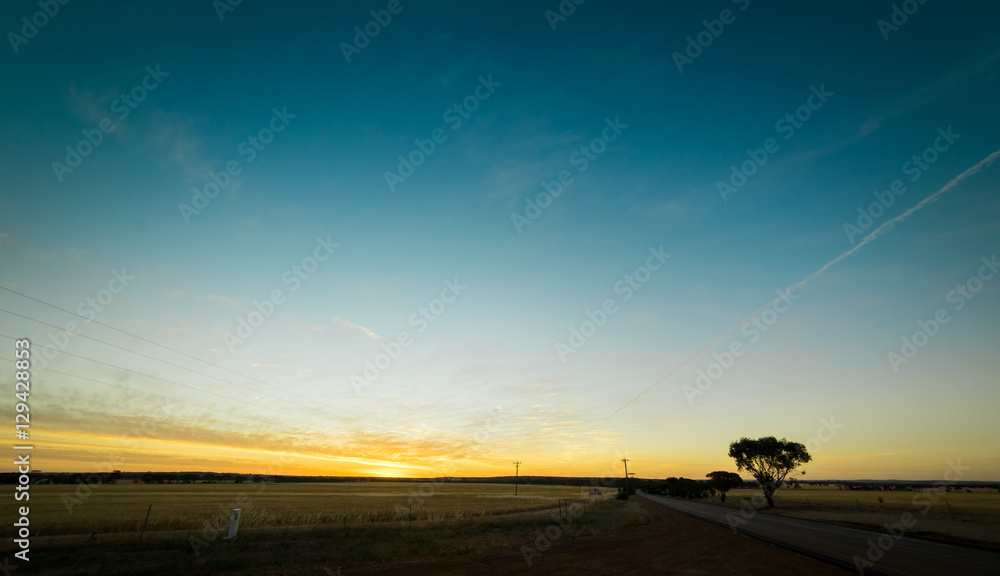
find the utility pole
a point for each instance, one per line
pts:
(625, 461)
(517, 465)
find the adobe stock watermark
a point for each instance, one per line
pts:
(363, 35)
(292, 277)
(597, 318)
(899, 16)
(544, 540)
(552, 533)
(581, 159)
(31, 27)
(456, 116)
(421, 320)
(748, 507)
(249, 148)
(105, 471)
(753, 330)
(223, 7)
(824, 433)
(958, 298)
(922, 502)
(566, 8)
(418, 497)
(216, 525)
(697, 44)
(88, 309)
(915, 167)
(787, 126)
(122, 106)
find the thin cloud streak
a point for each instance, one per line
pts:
(875, 234)
(347, 324)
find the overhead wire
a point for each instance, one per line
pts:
(168, 363)
(164, 346)
(224, 397)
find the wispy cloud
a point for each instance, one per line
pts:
(218, 298)
(348, 325)
(173, 138)
(904, 104)
(887, 226)
(929, 92)
(177, 141)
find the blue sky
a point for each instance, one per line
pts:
(344, 124)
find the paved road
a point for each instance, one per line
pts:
(845, 546)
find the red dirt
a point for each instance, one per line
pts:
(671, 543)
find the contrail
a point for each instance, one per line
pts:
(875, 234)
(344, 323)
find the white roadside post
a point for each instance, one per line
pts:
(234, 523)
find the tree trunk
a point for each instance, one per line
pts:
(770, 498)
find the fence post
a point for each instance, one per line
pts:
(146, 521)
(234, 524)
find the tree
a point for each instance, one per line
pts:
(769, 461)
(724, 481)
(686, 488)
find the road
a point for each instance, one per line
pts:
(850, 547)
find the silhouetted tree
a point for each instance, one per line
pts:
(769, 460)
(723, 482)
(686, 488)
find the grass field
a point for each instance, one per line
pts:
(316, 548)
(55, 509)
(969, 516)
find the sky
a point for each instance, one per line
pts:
(420, 239)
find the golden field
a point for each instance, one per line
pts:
(111, 508)
(972, 515)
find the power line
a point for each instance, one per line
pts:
(625, 461)
(345, 414)
(182, 353)
(164, 346)
(224, 397)
(168, 363)
(138, 391)
(126, 388)
(517, 466)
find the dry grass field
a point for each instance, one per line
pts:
(969, 516)
(122, 507)
(467, 519)
(616, 537)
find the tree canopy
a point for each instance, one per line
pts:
(768, 460)
(724, 481)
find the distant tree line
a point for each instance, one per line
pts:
(118, 476)
(677, 487)
(149, 477)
